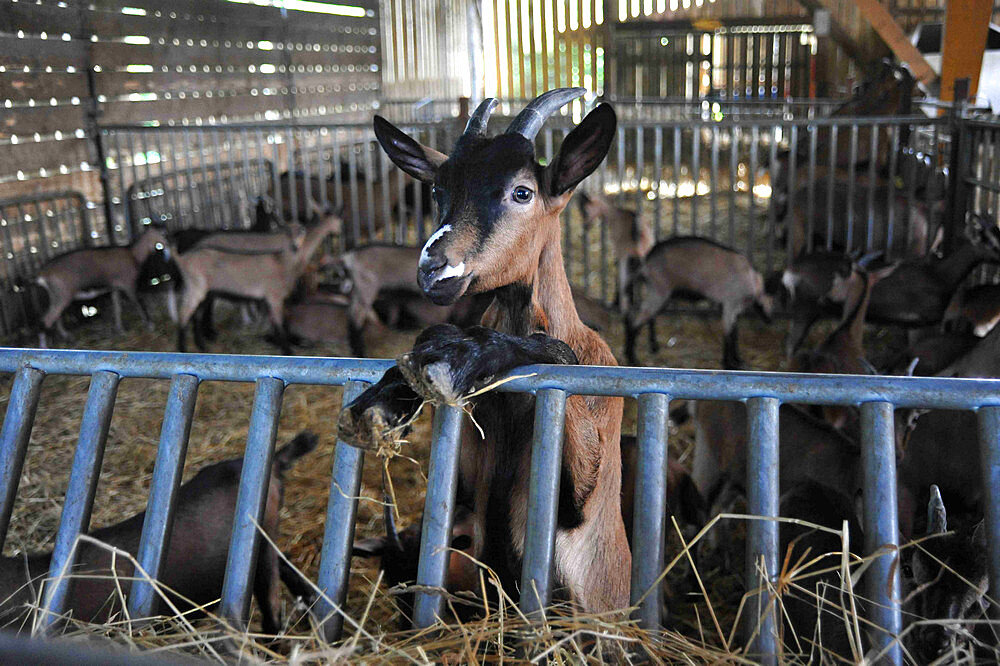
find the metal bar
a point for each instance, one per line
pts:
(293, 190)
(194, 206)
(714, 189)
(733, 183)
(658, 169)
(751, 183)
(989, 454)
(650, 518)
(352, 184)
(338, 536)
(80, 493)
(439, 510)
(891, 196)
(543, 498)
(226, 212)
(251, 501)
(695, 176)
(762, 538)
(14, 438)
(881, 527)
(158, 523)
(870, 203)
(772, 221)
(675, 176)
(831, 188)
(369, 190)
(851, 175)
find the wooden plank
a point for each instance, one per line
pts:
(38, 53)
(44, 120)
(17, 86)
(29, 156)
(896, 39)
(965, 31)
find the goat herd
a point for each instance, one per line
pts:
(496, 259)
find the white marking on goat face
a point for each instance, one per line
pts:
(425, 252)
(791, 281)
(450, 271)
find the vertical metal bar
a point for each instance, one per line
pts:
(369, 190)
(695, 173)
(831, 187)
(881, 526)
(891, 195)
(14, 438)
(640, 166)
(225, 211)
(303, 150)
(206, 186)
(811, 208)
(762, 543)
(650, 517)
(251, 500)
(543, 498)
(352, 184)
(341, 514)
(751, 183)
(167, 474)
(713, 196)
(194, 206)
(439, 510)
(734, 170)
(772, 221)
(80, 492)
(658, 174)
(851, 168)
(870, 205)
(675, 176)
(293, 190)
(989, 454)
(792, 158)
(321, 175)
(383, 162)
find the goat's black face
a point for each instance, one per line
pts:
(496, 205)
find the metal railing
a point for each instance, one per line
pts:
(763, 393)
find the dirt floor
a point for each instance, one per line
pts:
(220, 429)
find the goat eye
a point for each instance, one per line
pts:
(522, 195)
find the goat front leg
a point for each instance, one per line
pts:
(447, 364)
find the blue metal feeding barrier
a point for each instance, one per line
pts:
(763, 392)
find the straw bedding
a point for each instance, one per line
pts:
(701, 623)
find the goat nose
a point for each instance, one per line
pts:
(430, 263)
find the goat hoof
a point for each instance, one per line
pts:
(433, 381)
(371, 429)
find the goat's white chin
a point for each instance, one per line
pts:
(447, 290)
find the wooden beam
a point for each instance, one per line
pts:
(896, 39)
(966, 26)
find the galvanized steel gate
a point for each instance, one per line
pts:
(763, 393)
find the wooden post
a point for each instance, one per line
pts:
(966, 27)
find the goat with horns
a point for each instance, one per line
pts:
(499, 231)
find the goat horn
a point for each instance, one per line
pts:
(388, 515)
(477, 121)
(530, 120)
(937, 517)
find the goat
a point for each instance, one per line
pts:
(813, 602)
(307, 207)
(981, 360)
(976, 307)
(916, 294)
(632, 239)
(86, 273)
(910, 230)
(810, 450)
(194, 563)
(843, 350)
(399, 553)
(699, 267)
(949, 576)
(499, 231)
(932, 354)
(269, 277)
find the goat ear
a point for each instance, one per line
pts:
(373, 547)
(412, 157)
(582, 150)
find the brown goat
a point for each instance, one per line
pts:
(194, 563)
(86, 273)
(269, 277)
(499, 231)
(702, 268)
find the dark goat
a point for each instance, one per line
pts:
(812, 602)
(932, 354)
(981, 360)
(975, 308)
(843, 351)
(499, 231)
(916, 294)
(700, 268)
(949, 576)
(194, 562)
(400, 556)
